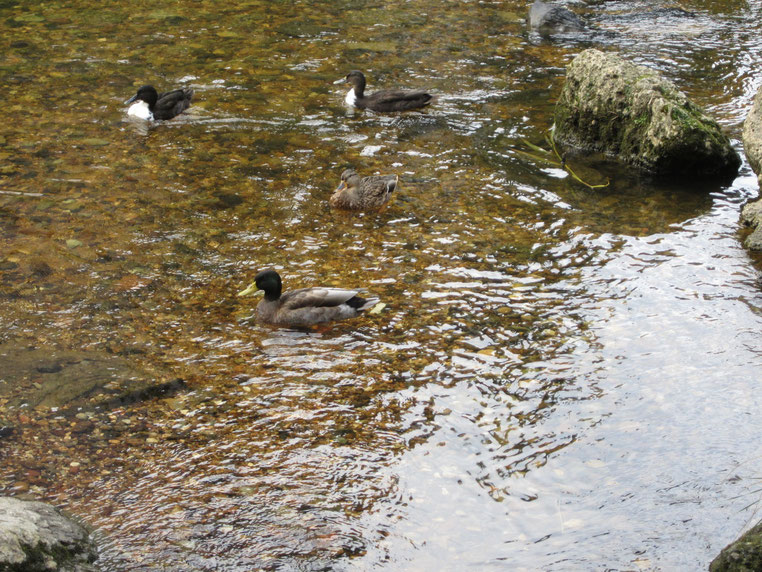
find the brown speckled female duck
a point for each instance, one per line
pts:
(304, 307)
(366, 193)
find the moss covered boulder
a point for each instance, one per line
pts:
(628, 111)
(751, 215)
(36, 537)
(743, 555)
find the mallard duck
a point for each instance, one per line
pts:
(385, 100)
(364, 193)
(149, 104)
(304, 307)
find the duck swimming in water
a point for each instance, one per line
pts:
(304, 307)
(149, 104)
(366, 193)
(385, 100)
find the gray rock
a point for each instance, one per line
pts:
(751, 215)
(628, 111)
(752, 135)
(35, 536)
(743, 555)
(553, 19)
(6, 427)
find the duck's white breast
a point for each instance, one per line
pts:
(140, 109)
(351, 98)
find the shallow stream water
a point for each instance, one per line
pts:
(563, 378)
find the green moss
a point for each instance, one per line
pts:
(743, 555)
(692, 119)
(642, 120)
(38, 556)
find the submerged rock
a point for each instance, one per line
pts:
(74, 380)
(35, 536)
(743, 555)
(751, 216)
(553, 19)
(6, 427)
(628, 111)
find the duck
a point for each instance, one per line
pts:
(386, 100)
(149, 104)
(304, 307)
(366, 193)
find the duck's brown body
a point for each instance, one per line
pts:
(363, 193)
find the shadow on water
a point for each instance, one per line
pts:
(538, 391)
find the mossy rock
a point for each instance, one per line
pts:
(743, 555)
(36, 537)
(628, 111)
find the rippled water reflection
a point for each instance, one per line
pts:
(562, 379)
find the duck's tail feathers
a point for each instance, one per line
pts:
(359, 303)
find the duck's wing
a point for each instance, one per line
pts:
(390, 182)
(172, 103)
(389, 95)
(379, 188)
(398, 100)
(318, 297)
(310, 306)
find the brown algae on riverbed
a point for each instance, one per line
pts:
(122, 248)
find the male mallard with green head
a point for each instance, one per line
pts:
(304, 307)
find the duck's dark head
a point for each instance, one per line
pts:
(268, 281)
(146, 93)
(356, 79)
